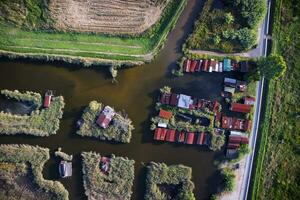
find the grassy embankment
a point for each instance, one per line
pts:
(113, 132)
(276, 174)
(116, 185)
(231, 28)
(21, 177)
(40, 122)
(83, 48)
(169, 182)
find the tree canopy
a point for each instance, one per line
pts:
(272, 67)
(251, 10)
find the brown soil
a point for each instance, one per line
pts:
(106, 16)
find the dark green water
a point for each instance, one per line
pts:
(136, 92)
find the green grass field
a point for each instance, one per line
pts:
(91, 46)
(276, 175)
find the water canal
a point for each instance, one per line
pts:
(136, 92)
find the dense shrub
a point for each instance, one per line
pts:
(113, 132)
(178, 176)
(117, 184)
(228, 179)
(252, 11)
(41, 122)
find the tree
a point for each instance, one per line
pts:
(217, 39)
(246, 37)
(252, 11)
(228, 17)
(272, 67)
(217, 141)
(229, 179)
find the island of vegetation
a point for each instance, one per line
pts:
(169, 182)
(87, 32)
(107, 177)
(104, 123)
(43, 120)
(227, 26)
(21, 177)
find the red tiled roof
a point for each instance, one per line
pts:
(205, 66)
(157, 133)
(226, 122)
(216, 106)
(190, 138)
(47, 101)
(200, 139)
(181, 137)
(163, 134)
(103, 121)
(233, 146)
(249, 100)
(238, 107)
(165, 98)
(174, 99)
(193, 65)
(165, 114)
(170, 135)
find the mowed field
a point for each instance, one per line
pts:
(40, 41)
(106, 16)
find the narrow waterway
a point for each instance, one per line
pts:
(136, 93)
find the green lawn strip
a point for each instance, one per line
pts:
(102, 46)
(117, 184)
(36, 157)
(278, 161)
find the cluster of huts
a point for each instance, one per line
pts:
(235, 140)
(162, 133)
(232, 85)
(188, 102)
(170, 135)
(211, 65)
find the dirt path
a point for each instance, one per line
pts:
(89, 43)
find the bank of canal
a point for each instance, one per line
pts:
(136, 92)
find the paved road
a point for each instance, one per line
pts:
(252, 141)
(244, 172)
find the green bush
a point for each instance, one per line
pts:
(116, 185)
(178, 176)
